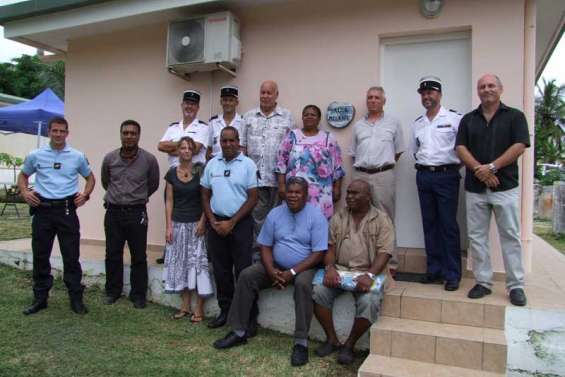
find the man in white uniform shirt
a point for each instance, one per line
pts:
(229, 99)
(377, 144)
(437, 178)
(189, 126)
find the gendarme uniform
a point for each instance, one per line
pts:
(197, 130)
(437, 179)
(56, 184)
(217, 122)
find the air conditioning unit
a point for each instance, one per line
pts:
(204, 43)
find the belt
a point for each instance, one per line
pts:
(67, 202)
(439, 168)
(375, 170)
(128, 207)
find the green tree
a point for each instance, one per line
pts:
(27, 76)
(550, 114)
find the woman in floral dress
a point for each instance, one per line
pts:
(186, 262)
(315, 155)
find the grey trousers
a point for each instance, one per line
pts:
(253, 279)
(267, 199)
(506, 208)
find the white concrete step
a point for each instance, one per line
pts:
(382, 366)
(440, 343)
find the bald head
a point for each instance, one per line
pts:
(358, 196)
(489, 90)
(268, 95)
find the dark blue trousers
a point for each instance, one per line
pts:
(439, 196)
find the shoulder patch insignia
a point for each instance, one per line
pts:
(214, 117)
(173, 124)
(201, 121)
(455, 111)
(417, 119)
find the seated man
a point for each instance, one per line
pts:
(293, 240)
(361, 240)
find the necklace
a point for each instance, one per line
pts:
(183, 173)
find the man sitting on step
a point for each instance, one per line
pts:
(361, 240)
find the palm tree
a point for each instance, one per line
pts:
(549, 120)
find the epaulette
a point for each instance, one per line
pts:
(214, 117)
(455, 111)
(174, 123)
(201, 121)
(417, 119)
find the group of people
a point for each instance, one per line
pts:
(256, 183)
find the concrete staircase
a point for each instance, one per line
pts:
(426, 331)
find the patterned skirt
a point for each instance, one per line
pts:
(186, 261)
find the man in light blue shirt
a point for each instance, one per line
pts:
(229, 193)
(53, 202)
(293, 241)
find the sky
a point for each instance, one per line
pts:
(553, 70)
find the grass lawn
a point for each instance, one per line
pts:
(118, 340)
(544, 229)
(12, 226)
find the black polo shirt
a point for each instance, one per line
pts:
(487, 142)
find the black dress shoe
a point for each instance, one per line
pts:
(451, 286)
(219, 321)
(478, 291)
(109, 300)
(78, 307)
(35, 307)
(230, 340)
(431, 279)
(518, 297)
(299, 355)
(139, 304)
(325, 349)
(345, 356)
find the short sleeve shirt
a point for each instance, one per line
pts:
(187, 202)
(262, 136)
(488, 141)
(197, 131)
(294, 236)
(56, 171)
(229, 182)
(217, 124)
(433, 142)
(376, 144)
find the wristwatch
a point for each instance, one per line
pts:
(370, 275)
(492, 168)
(292, 272)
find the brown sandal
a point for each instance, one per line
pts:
(181, 314)
(196, 318)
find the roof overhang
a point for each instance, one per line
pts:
(50, 24)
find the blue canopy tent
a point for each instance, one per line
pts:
(31, 117)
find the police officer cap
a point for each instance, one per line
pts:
(429, 83)
(191, 95)
(229, 91)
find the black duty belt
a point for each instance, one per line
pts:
(438, 168)
(127, 207)
(67, 202)
(375, 170)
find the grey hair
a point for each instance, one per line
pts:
(295, 180)
(378, 88)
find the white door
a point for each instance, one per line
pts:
(403, 62)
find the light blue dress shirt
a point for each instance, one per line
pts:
(294, 236)
(229, 182)
(56, 170)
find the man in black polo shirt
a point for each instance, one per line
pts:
(489, 141)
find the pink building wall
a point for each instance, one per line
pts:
(318, 52)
